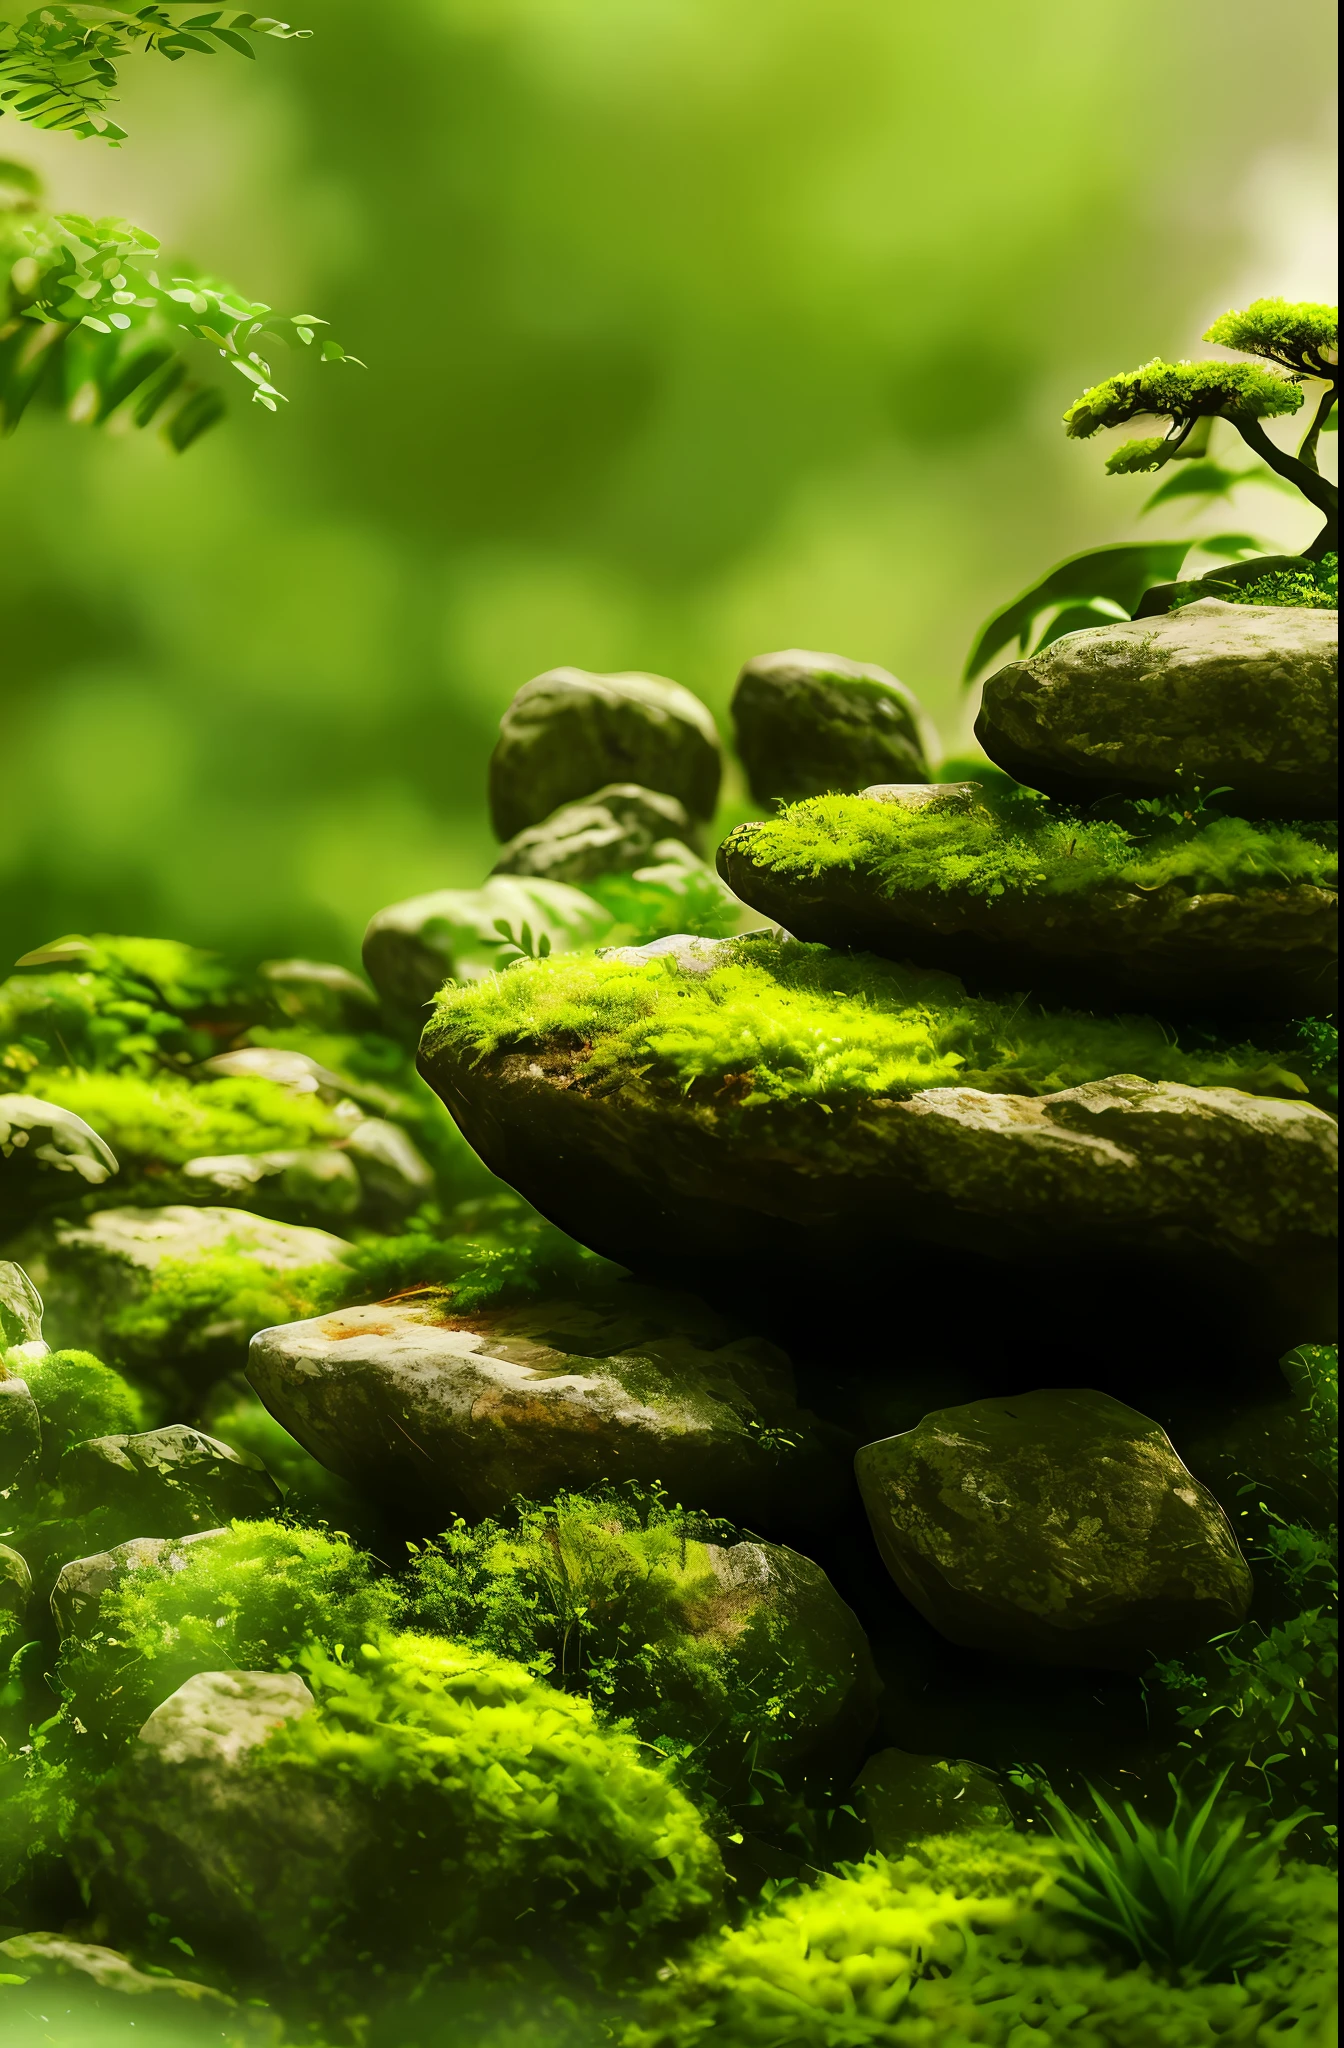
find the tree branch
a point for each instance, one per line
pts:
(1313, 486)
(1307, 452)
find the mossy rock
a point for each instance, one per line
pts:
(1057, 1527)
(903, 1798)
(77, 1596)
(1216, 695)
(569, 732)
(162, 1482)
(757, 1106)
(20, 1429)
(48, 1155)
(435, 1412)
(808, 722)
(412, 948)
(613, 831)
(916, 873)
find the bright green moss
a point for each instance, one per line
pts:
(251, 1600)
(1001, 845)
(1315, 585)
(190, 1304)
(122, 1004)
(78, 1397)
(801, 1023)
(960, 1942)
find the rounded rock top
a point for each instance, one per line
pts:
(807, 723)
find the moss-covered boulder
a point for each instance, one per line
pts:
(446, 1803)
(569, 732)
(412, 948)
(173, 1295)
(1242, 697)
(162, 1482)
(48, 1155)
(1056, 1527)
(77, 1596)
(437, 1412)
(806, 723)
(20, 1429)
(783, 1106)
(16, 1591)
(903, 1798)
(1011, 893)
(610, 832)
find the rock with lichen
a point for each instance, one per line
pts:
(806, 723)
(569, 732)
(1057, 1527)
(438, 1412)
(613, 831)
(1214, 696)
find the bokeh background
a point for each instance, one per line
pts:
(693, 328)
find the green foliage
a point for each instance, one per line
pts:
(1312, 1371)
(1182, 393)
(156, 1125)
(501, 1816)
(676, 892)
(799, 1023)
(1104, 583)
(1022, 846)
(613, 1597)
(89, 320)
(188, 1303)
(78, 1397)
(1303, 337)
(1205, 479)
(960, 1944)
(1315, 585)
(253, 1600)
(1189, 1901)
(58, 66)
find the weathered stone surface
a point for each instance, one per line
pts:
(308, 1182)
(569, 732)
(412, 948)
(1272, 952)
(20, 1429)
(394, 1175)
(811, 723)
(78, 1593)
(903, 1797)
(1058, 1527)
(296, 1071)
(218, 1716)
(610, 832)
(782, 1611)
(163, 1482)
(439, 1414)
(47, 1155)
(1134, 1181)
(89, 1271)
(1214, 695)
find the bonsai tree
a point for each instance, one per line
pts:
(1103, 584)
(86, 317)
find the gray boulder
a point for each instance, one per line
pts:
(811, 723)
(904, 1797)
(163, 1482)
(77, 1596)
(610, 832)
(412, 948)
(1214, 695)
(1057, 1527)
(569, 732)
(48, 1155)
(436, 1413)
(1271, 951)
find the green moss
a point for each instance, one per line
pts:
(1003, 844)
(959, 1943)
(189, 1304)
(792, 1022)
(153, 1124)
(1315, 585)
(251, 1600)
(79, 1397)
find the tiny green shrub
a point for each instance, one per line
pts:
(78, 1397)
(1018, 845)
(1315, 585)
(801, 1023)
(254, 1599)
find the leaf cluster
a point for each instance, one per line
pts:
(1301, 336)
(1183, 392)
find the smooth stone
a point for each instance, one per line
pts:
(217, 1717)
(613, 831)
(1271, 952)
(811, 723)
(309, 1182)
(16, 1589)
(296, 1071)
(1242, 697)
(77, 1596)
(569, 732)
(48, 1155)
(319, 993)
(20, 1430)
(89, 1271)
(394, 1174)
(1055, 1527)
(1217, 1204)
(20, 1307)
(437, 1414)
(904, 1797)
(163, 1482)
(412, 948)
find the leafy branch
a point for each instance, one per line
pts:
(58, 66)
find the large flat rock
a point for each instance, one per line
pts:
(438, 1414)
(1214, 695)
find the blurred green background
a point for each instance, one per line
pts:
(694, 328)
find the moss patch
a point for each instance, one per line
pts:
(1004, 844)
(781, 1021)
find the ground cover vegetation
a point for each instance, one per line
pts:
(329, 1781)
